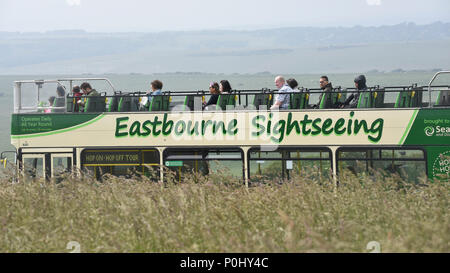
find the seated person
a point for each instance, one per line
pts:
(352, 101)
(60, 91)
(214, 89)
(281, 99)
(156, 87)
(225, 86)
(51, 100)
(88, 91)
(326, 87)
(76, 91)
(293, 84)
(60, 100)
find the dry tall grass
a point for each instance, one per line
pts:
(216, 214)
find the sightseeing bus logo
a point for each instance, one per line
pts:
(429, 131)
(441, 166)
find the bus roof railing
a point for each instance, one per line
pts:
(18, 90)
(431, 81)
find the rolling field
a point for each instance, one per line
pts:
(218, 214)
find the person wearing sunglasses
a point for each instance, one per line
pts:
(326, 87)
(214, 89)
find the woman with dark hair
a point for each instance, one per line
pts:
(214, 89)
(292, 83)
(225, 86)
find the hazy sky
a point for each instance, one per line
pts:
(161, 15)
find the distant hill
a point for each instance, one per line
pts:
(287, 50)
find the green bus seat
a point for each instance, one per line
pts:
(443, 98)
(403, 99)
(331, 99)
(378, 98)
(95, 104)
(262, 99)
(128, 104)
(365, 100)
(159, 103)
(59, 102)
(225, 100)
(340, 98)
(70, 105)
(114, 103)
(416, 97)
(326, 102)
(232, 99)
(192, 101)
(299, 100)
(409, 98)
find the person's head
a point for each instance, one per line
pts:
(86, 87)
(51, 100)
(292, 83)
(60, 91)
(156, 85)
(279, 81)
(323, 81)
(360, 82)
(214, 88)
(76, 89)
(225, 86)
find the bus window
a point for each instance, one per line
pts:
(204, 161)
(410, 164)
(61, 164)
(286, 162)
(150, 164)
(125, 163)
(33, 167)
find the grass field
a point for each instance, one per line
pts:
(217, 214)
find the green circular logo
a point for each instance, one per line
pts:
(429, 131)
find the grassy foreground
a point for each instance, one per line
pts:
(213, 215)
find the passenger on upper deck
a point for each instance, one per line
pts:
(326, 87)
(51, 101)
(156, 86)
(60, 100)
(76, 91)
(225, 86)
(292, 83)
(360, 84)
(60, 91)
(281, 100)
(88, 91)
(214, 89)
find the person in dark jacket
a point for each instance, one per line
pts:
(214, 89)
(326, 87)
(352, 100)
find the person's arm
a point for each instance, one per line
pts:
(276, 105)
(349, 99)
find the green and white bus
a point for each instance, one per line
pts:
(397, 129)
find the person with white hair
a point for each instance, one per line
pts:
(283, 97)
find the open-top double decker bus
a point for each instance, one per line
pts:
(401, 129)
